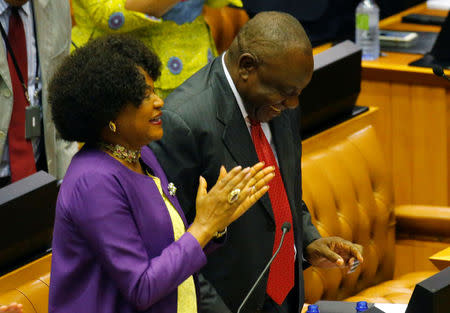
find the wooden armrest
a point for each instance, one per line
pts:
(423, 220)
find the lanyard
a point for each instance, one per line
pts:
(16, 66)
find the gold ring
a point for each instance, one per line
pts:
(234, 195)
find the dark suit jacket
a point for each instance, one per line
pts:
(203, 129)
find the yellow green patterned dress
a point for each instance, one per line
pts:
(181, 38)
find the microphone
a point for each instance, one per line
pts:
(439, 71)
(285, 228)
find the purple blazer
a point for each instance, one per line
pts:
(113, 241)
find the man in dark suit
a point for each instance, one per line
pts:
(235, 111)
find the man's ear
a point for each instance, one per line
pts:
(247, 64)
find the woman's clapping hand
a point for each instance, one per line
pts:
(232, 195)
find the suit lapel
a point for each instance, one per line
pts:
(236, 136)
(42, 3)
(43, 27)
(286, 153)
(4, 69)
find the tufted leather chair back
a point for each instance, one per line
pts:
(348, 191)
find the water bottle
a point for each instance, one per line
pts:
(361, 306)
(313, 308)
(367, 30)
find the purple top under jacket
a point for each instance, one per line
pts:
(113, 241)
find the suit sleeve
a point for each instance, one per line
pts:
(100, 210)
(177, 152)
(210, 301)
(310, 232)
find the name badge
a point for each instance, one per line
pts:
(32, 122)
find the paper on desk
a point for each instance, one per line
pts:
(392, 307)
(438, 4)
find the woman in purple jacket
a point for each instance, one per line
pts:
(121, 242)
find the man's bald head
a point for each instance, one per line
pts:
(270, 34)
(270, 62)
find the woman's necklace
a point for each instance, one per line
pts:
(122, 153)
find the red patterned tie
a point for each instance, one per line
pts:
(21, 157)
(281, 274)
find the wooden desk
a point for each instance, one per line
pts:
(414, 119)
(441, 259)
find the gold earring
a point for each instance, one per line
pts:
(112, 126)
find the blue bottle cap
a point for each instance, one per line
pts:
(361, 306)
(313, 308)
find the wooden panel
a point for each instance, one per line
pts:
(413, 127)
(429, 177)
(413, 255)
(448, 143)
(378, 94)
(420, 8)
(403, 255)
(402, 143)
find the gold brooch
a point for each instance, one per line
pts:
(172, 189)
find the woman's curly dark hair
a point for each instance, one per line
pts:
(94, 83)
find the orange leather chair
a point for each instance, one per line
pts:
(224, 24)
(349, 193)
(28, 285)
(32, 295)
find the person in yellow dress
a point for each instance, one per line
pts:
(174, 29)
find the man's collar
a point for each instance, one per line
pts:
(3, 6)
(236, 94)
(25, 8)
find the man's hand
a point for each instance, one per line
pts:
(334, 252)
(12, 308)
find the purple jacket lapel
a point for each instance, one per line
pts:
(149, 158)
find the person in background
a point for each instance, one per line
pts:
(174, 29)
(12, 308)
(239, 109)
(121, 242)
(36, 34)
